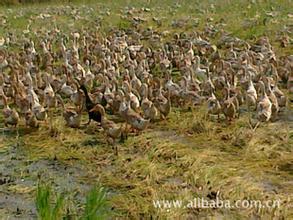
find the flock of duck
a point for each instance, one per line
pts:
(119, 75)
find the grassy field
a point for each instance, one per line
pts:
(184, 157)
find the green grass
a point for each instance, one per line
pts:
(46, 210)
(96, 207)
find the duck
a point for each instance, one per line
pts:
(273, 99)
(93, 115)
(49, 95)
(108, 95)
(31, 120)
(115, 104)
(134, 99)
(251, 95)
(193, 83)
(174, 88)
(190, 97)
(66, 90)
(135, 82)
(72, 117)
(88, 75)
(162, 103)
(220, 82)
(148, 107)
(214, 106)
(11, 116)
(39, 111)
(77, 97)
(235, 95)
(264, 105)
(112, 130)
(229, 107)
(131, 117)
(208, 86)
(36, 108)
(21, 99)
(200, 73)
(281, 98)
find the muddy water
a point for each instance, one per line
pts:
(19, 178)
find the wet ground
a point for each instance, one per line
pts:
(180, 158)
(170, 157)
(19, 177)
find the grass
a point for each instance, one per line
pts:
(254, 13)
(174, 160)
(45, 209)
(96, 205)
(186, 156)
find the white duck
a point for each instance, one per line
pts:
(134, 100)
(264, 106)
(214, 106)
(174, 88)
(147, 106)
(200, 73)
(11, 117)
(49, 95)
(273, 99)
(251, 95)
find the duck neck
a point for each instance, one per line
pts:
(250, 86)
(267, 87)
(185, 84)
(228, 93)
(123, 105)
(263, 90)
(87, 97)
(5, 101)
(213, 95)
(102, 112)
(127, 88)
(197, 63)
(160, 91)
(145, 93)
(128, 104)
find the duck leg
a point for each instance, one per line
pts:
(126, 130)
(17, 134)
(116, 149)
(111, 141)
(250, 117)
(123, 137)
(50, 119)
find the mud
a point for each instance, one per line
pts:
(19, 178)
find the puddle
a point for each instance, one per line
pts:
(19, 179)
